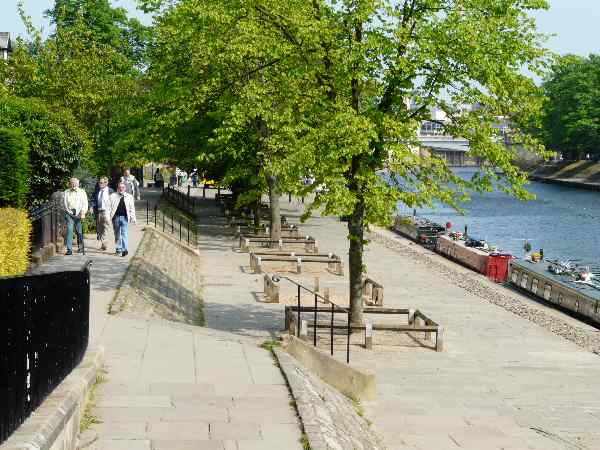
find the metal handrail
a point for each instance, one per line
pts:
(277, 278)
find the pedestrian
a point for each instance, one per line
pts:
(101, 207)
(76, 205)
(195, 178)
(159, 181)
(132, 186)
(122, 206)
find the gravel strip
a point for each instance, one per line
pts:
(475, 284)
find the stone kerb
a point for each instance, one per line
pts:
(54, 425)
(330, 420)
(357, 383)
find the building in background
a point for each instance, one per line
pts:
(5, 45)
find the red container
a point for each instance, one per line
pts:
(497, 267)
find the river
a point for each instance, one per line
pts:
(564, 221)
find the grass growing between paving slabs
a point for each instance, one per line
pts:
(88, 418)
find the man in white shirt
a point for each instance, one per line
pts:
(132, 186)
(76, 205)
(101, 207)
(122, 207)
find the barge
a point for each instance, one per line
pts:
(419, 230)
(560, 289)
(433, 236)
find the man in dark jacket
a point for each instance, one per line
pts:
(101, 207)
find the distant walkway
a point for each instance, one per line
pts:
(172, 386)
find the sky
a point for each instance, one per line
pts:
(575, 23)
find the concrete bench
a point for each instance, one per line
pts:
(310, 244)
(417, 323)
(373, 292)
(333, 262)
(287, 231)
(271, 289)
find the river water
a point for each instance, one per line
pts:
(564, 221)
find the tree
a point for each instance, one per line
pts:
(103, 24)
(82, 71)
(57, 143)
(571, 109)
(339, 89)
(208, 75)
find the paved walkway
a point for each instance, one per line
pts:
(174, 386)
(502, 382)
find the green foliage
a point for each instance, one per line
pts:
(14, 168)
(338, 90)
(83, 70)
(57, 144)
(15, 231)
(103, 25)
(571, 110)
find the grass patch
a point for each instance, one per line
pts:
(356, 404)
(304, 442)
(88, 418)
(270, 345)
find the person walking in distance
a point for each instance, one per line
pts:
(76, 205)
(122, 208)
(101, 207)
(131, 184)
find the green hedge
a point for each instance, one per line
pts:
(15, 242)
(14, 168)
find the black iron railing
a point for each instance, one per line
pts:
(186, 230)
(330, 309)
(184, 201)
(44, 327)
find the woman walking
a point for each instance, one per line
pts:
(123, 213)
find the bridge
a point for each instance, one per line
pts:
(452, 150)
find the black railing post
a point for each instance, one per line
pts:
(172, 223)
(348, 340)
(331, 329)
(188, 233)
(180, 230)
(315, 323)
(298, 312)
(204, 191)
(147, 212)
(163, 221)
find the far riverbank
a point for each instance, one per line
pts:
(578, 174)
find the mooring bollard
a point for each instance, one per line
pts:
(368, 336)
(316, 289)
(299, 265)
(439, 339)
(304, 329)
(258, 266)
(280, 244)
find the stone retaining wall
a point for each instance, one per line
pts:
(55, 424)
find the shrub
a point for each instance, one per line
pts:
(14, 168)
(57, 143)
(15, 232)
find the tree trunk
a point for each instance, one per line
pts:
(275, 209)
(356, 227)
(256, 208)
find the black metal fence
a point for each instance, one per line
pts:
(48, 225)
(44, 325)
(330, 309)
(186, 230)
(184, 201)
